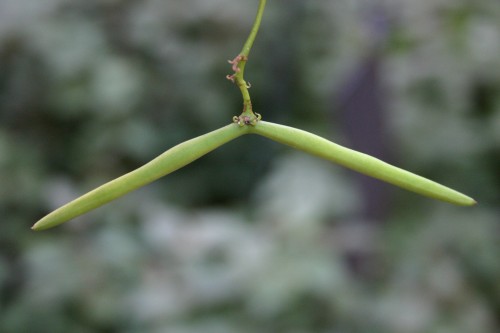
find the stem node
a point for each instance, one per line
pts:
(247, 117)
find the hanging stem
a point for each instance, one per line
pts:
(247, 117)
(248, 44)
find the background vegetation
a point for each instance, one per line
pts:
(254, 237)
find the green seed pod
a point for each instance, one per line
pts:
(169, 161)
(360, 162)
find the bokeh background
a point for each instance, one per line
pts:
(254, 237)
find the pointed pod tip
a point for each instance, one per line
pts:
(467, 201)
(40, 225)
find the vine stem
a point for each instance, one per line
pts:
(239, 62)
(253, 33)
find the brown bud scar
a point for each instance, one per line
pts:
(235, 62)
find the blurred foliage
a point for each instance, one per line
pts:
(253, 237)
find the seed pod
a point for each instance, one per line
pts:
(169, 161)
(360, 162)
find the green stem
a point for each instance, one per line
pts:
(251, 38)
(241, 61)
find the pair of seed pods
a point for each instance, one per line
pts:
(188, 151)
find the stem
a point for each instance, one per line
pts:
(251, 38)
(247, 116)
